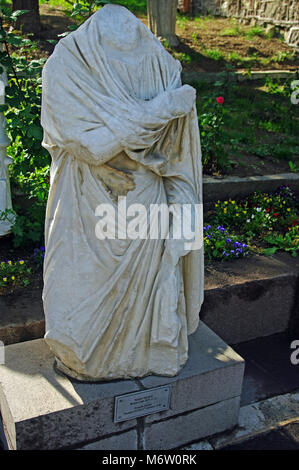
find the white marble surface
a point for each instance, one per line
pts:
(118, 122)
(5, 161)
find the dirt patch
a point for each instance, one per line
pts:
(198, 37)
(256, 267)
(246, 163)
(195, 37)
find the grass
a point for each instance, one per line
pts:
(56, 3)
(136, 6)
(235, 31)
(214, 54)
(182, 57)
(235, 58)
(253, 32)
(259, 119)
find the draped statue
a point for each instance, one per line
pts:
(6, 221)
(119, 125)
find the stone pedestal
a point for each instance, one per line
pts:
(42, 409)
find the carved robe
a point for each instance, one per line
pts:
(116, 308)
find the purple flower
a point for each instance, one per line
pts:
(228, 240)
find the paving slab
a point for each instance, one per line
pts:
(273, 440)
(261, 417)
(269, 365)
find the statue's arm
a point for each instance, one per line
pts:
(99, 145)
(172, 104)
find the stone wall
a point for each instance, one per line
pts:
(284, 14)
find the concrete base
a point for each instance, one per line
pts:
(45, 410)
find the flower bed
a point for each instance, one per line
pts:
(261, 223)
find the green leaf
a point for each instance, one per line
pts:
(270, 251)
(35, 131)
(18, 13)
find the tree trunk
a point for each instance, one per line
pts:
(29, 22)
(162, 19)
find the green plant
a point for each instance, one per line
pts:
(81, 10)
(182, 57)
(221, 245)
(234, 57)
(195, 37)
(14, 274)
(235, 31)
(283, 56)
(259, 213)
(38, 256)
(214, 54)
(211, 124)
(255, 31)
(287, 242)
(181, 21)
(30, 169)
(294, 167)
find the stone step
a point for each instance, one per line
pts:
(255, 421)
(244, 299)
(235, 187)
(212, 77)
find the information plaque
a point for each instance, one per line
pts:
(134, 405)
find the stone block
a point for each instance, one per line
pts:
(213, 373)
(174, 432)
(238, 187)
(45, 410)
(252, 309)
(125, 441)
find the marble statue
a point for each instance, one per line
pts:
(118, 124)
(5, 195)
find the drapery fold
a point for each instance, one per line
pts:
(117, 308)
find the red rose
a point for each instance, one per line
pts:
(275, 214)
(294, 223)
(267, 210)
(220, 100)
